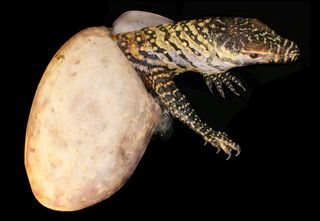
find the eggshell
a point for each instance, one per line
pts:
(136, 20)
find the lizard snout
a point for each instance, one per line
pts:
(289, 52)
(294, 53)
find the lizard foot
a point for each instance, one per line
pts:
(164, 127)
(222, 141)
(220, 79)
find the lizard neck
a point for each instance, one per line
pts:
(175, 47)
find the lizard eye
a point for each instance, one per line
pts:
(254, 55)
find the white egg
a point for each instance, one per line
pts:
(89, 125)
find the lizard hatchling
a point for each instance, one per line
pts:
(92, 118)
(210, 46)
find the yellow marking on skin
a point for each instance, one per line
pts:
(203, 47)
(153, 62)
(200, 38)
(158, 86)
(201, 24)
(134, 50)
(178, 28)
(228, 54)
(161, 43)
(180, 45)
(142, 48)
(162, 75)
(174, 92)
(170, 83)
(156, 69)
(194, 45)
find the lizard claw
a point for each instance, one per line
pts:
(222, 141)
(229, 155)
(235, 80)
(218, 84)
(223, 79)
(214, 80)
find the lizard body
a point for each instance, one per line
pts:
(209, 46)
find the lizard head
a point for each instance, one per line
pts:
(246, 41)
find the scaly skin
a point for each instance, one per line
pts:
(210, 46)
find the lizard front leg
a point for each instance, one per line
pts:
(181, 108)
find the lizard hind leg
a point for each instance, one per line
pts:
(164, 127)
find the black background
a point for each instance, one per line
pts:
(273, 177)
